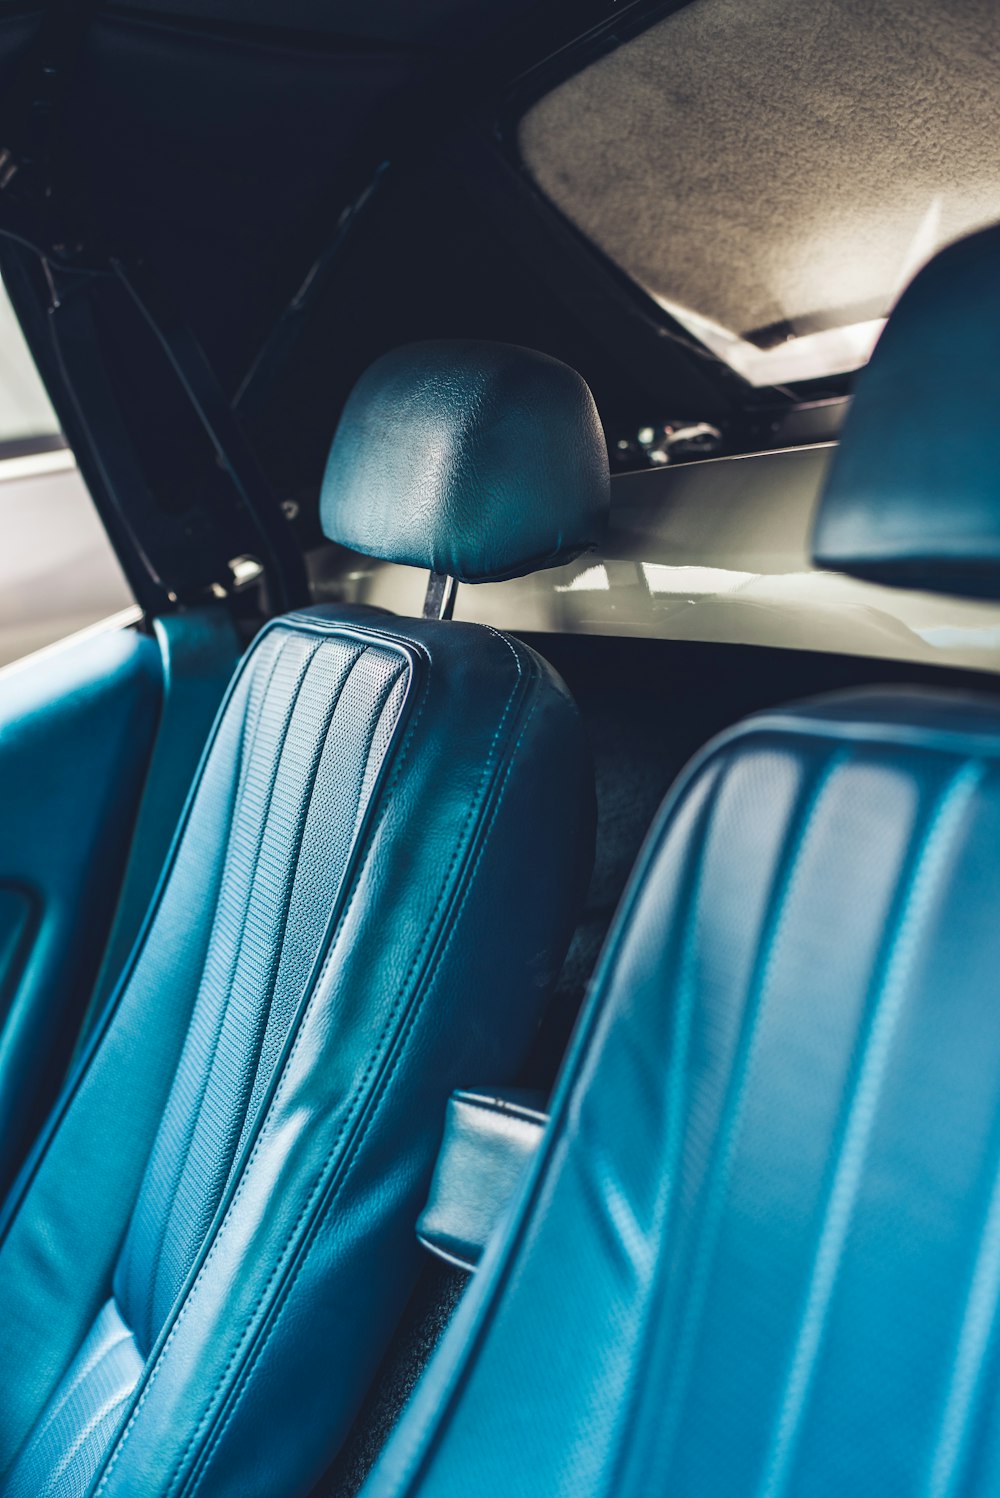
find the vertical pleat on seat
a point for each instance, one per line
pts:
(293, 827)
(761, 1252)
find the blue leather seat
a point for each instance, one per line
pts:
(760, 1250)
(371, 889)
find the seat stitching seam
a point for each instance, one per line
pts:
(399, 680)
(333, 626)
(246, 753)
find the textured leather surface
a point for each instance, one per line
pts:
(488, 1140)
(759, 1252)
(83, 1414)
(912, 495)
(199, 651)
(478, 460)
(76, 730)
(344, 931)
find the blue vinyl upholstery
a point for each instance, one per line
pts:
(199, 650)
(760, 1251)
(912, 495)
(478, 460)
(73, 1435)
(215, 1239)
(77, 727)
(488, 1142)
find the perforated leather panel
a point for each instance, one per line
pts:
(318, 713)
(73, 1435)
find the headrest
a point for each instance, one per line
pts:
(913, 496)
(478, 460)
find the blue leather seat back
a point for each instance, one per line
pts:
(760, 1251)
(216, 1237)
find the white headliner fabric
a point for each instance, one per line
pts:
(759, 161)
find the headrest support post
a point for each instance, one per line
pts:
(439, 600)
(478, 461)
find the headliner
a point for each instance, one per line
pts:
(780, 162)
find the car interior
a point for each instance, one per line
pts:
(499, 749)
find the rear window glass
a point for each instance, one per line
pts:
(25, 410)
(773, 174)
(58, 572)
